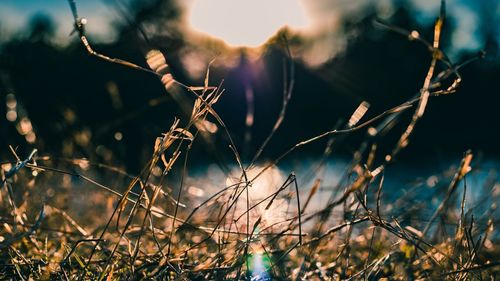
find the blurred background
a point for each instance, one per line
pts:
(95, 123)
(57, 98)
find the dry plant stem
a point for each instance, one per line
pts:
(119, 207)
(73, 249)
(288, 181)
(156, 192)
(332, 201)
(379, 193)
(102, 186)
(299, 211)
(225, 213)
(474, 268)
(79, 27)
(424, 92)
(225, 254)
(147, 215)
(335, 229)
(106, 167)
(451, 188)
(313, 191)
(19, 164)
(472, 251)
(32, 229)
(366, 266)
(332, 141)
(215, 115)
(69, 219)
(49, 229)
(85, 42)
(402, 107)
(287, 94)
(178, 198)
(115, 211)
(8, 175)
(404, 234)
(238, 159)
(134, 209)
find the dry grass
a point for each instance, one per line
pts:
(139, 227)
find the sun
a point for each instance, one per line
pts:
(244, 23)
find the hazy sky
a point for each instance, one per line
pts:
(247, 23)
(14, 15)
(238, 22)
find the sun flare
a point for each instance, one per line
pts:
(244, 23)
(260, 190)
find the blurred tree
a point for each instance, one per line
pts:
(152, 23)
(41, 28)
(490, 26)
(66, 92)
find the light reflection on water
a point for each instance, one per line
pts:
(411, 193)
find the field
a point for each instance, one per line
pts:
(250, 218)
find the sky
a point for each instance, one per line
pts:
(234, 20)
(236, 23)
(15, 14)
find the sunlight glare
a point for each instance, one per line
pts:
(246, 23)
(261, 188)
